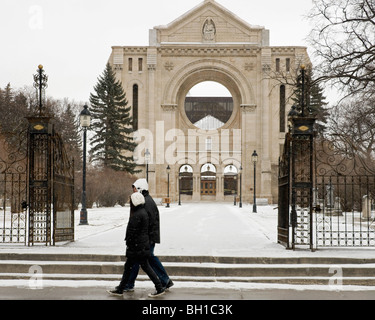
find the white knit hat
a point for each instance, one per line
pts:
(141, 184)
(137, 199)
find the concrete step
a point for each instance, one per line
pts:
(192, 269)
(189, 268)
(193, 259)
(358, 281)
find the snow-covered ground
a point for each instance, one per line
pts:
(195, 228)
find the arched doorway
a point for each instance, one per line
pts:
(208, 180)
(186, 180)
(230, 180)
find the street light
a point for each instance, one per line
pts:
(85, 119)
(147, 159)
(254, 159)
(168, 171)
(240, 171)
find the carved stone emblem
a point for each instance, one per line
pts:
(209, 31)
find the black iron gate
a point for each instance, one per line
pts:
(51, 179)
(326, 199)
(284, 195)
(326, 196)
(36, 182)
(63, 192)
(344, 194)
(13, 188)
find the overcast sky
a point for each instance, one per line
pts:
(73, 39)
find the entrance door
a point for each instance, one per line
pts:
(208, 187)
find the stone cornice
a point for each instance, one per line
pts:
(247, 108)
(211, 51)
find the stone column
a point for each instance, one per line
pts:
(150, 110)
(249, 143)
(264, 165)
(196, 186)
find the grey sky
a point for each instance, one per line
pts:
(73, 39)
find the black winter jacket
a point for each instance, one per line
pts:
(153, 214)
(137, 233)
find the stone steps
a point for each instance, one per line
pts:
(298, 270)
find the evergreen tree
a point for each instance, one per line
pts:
(314, 99)
(67, 125)
(112, 124)
(13, 108)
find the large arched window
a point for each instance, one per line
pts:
(208, 105)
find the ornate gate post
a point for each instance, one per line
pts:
(301, 151)
(39, 167)
(50, 177)
(296, 179)
(302, 180)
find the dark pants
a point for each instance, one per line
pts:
(155, 265)
(129, 264)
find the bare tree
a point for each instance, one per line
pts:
(351, 133)
(344, 41)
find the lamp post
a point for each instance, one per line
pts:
(85, 119)
(254, 159)
(168, 171)
(147, 159)
(240, 171)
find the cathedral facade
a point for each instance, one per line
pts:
(202, 148)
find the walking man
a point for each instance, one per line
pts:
(141, 186)
(138, 246)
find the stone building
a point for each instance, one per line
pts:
(204, 141)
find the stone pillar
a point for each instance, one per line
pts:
(249, 139)
(219, 186)
(196, 186)
(264, 166)
(150, 111)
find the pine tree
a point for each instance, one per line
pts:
(112, 124)
(314, 99)
(67, 125)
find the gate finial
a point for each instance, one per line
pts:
(40, 83)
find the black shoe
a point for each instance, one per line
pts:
(116, 292)
(157, 293)
(169, 284)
